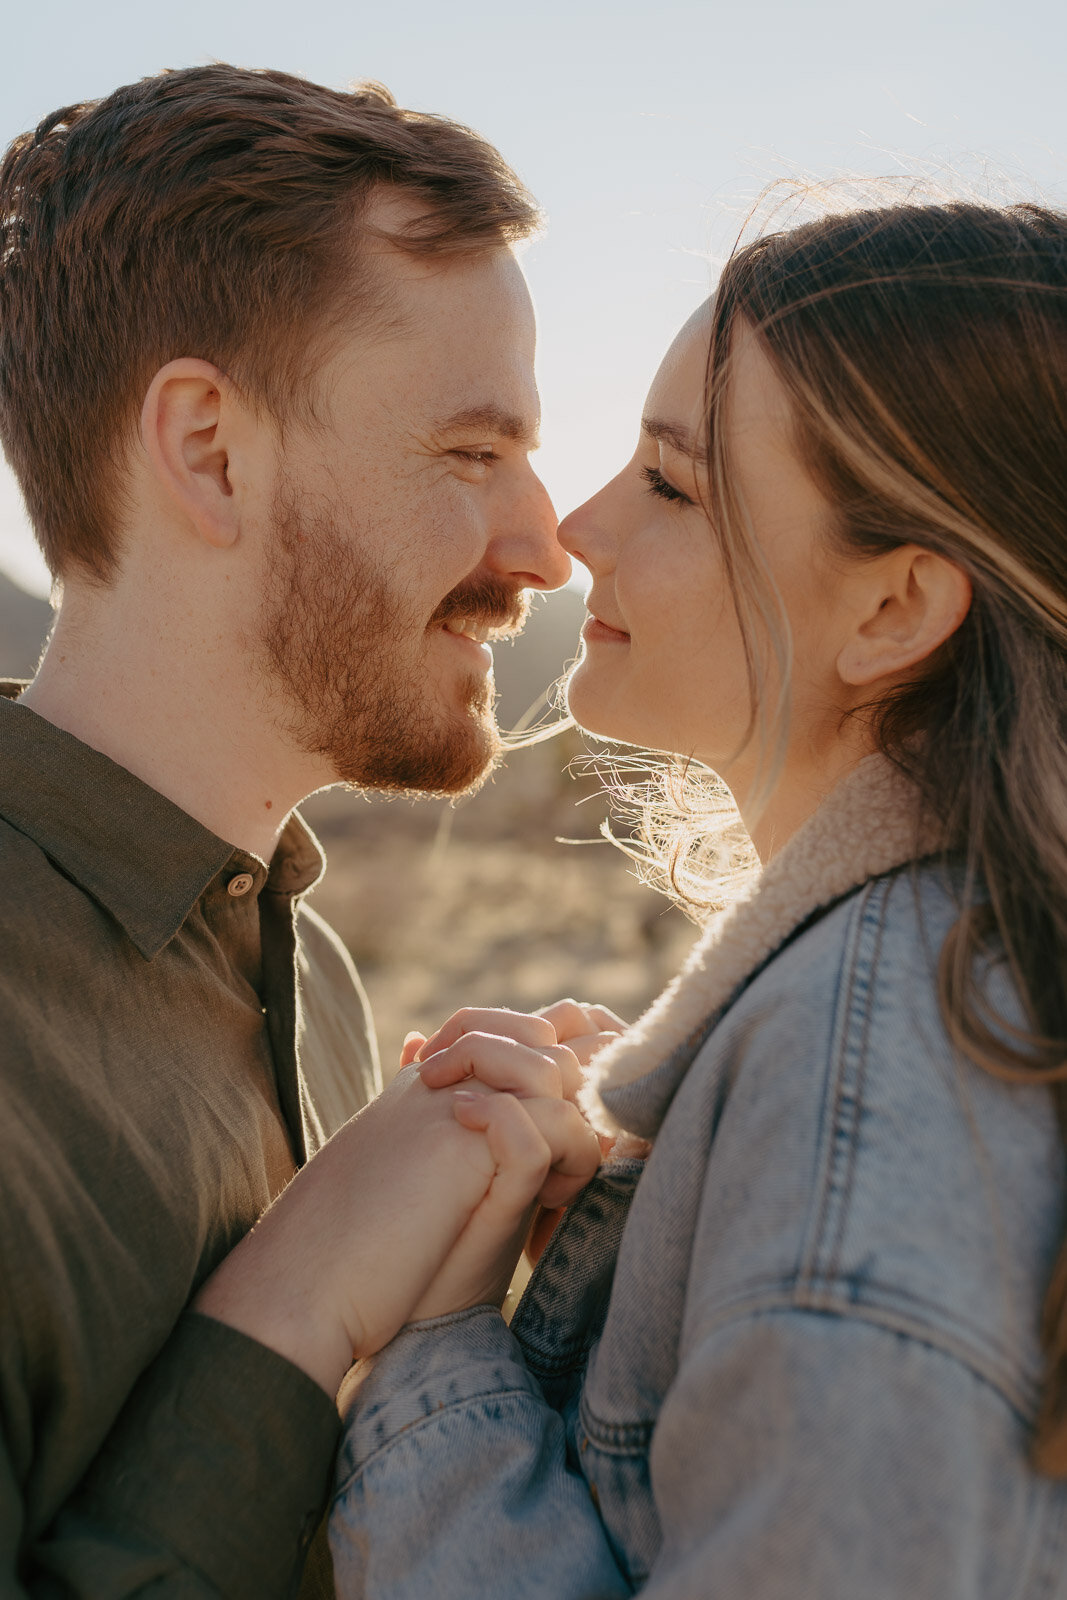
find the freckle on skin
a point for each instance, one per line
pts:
(269, 804)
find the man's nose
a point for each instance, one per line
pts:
(527, 549)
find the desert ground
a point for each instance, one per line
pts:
(482, 904)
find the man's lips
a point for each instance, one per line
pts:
(481, 632)
(485, 612)
(597, 632)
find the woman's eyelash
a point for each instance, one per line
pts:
(658, 485)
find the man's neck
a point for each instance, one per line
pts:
(182, 711)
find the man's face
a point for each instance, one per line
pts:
(407, 527)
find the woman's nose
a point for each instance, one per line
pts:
(583, 533)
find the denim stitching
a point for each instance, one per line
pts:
(873, 915)
(439, 1411)
(826, 1158)
(846, 1075)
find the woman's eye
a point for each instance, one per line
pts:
(658, 485)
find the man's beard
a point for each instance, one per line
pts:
(333, 633)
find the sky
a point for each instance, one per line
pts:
(646, 132)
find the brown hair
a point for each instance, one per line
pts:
(924, 348)
(209, 212)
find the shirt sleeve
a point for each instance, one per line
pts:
(211, 1483)
(453, 1479)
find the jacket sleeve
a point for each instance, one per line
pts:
(211, 1483)
(453, 1478)
(799, 1455)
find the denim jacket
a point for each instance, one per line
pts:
(795, 1352)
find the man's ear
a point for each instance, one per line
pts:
(912, 601)
(186, 415)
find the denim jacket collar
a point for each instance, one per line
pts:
(870, 824)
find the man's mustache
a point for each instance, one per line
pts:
(489, 601)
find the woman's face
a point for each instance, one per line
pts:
(663, 663)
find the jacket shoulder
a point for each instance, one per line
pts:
(858, 1164)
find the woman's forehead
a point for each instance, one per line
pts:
(679, 382)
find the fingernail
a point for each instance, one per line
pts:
(465, 1094)
(414, 1034)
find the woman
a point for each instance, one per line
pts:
(814, 1345)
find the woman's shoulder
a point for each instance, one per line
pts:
(856, 1163)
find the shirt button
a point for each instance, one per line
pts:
(240, 885)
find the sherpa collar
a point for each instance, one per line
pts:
(867, 826)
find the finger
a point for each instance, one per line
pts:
(504, 1064)
(521, 1153)
(545, 1223)
(607, 1021)
(569, 1019)
(574, 1148)
(517, 1025)
(587, 1045)
(410, 1048)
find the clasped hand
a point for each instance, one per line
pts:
(420, 1205)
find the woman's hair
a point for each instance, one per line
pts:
(924, 349)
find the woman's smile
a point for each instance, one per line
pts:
(597, 632)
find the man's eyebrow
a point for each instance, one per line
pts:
(495, 420)
(675, 435)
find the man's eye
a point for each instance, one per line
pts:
(480, 456)
(658, 485)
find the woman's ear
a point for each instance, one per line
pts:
(184, 423)
(912, 601)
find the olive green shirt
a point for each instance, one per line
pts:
(177, 1032)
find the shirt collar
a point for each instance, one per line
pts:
(143, 858)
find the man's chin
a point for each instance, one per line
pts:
(442, 763)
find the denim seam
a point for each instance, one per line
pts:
(441, 1410)
(810, 1296)
(868, 979)
(634, 1438)
(823, 1187)
(848, 1061)
(614, 1438)
(872, 1298)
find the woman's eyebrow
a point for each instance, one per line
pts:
(675, 435)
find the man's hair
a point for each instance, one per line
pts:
(210, 212)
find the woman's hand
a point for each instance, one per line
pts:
(500, 1049)
(542, 1147)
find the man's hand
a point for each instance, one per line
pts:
(344, 1256)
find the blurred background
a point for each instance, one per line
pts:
(647, 133)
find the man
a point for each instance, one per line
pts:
(266, 378)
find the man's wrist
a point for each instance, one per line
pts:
(244, 1296)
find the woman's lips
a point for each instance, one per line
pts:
(597, 632)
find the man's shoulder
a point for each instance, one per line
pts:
(40, 906)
